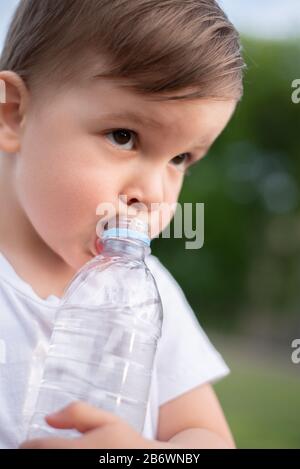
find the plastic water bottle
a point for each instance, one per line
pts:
(105, 335)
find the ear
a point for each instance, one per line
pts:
(12, 111)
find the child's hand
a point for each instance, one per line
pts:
(100, 429)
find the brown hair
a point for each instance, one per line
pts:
(158, 46)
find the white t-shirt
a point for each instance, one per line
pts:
(185, 357)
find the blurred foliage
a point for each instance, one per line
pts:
(248, 270)
(262, 406)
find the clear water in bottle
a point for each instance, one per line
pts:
(105, 335)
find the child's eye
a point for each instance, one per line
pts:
(122, 137)
(181, 161)
(126, 139)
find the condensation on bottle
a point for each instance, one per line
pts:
(105, 335)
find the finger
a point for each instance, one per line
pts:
(81, 416)
(50, 443)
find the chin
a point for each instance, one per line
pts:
(77, 258)
(83, 259)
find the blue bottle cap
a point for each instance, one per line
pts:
(128, 227)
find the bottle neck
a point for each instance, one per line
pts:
(132, 248)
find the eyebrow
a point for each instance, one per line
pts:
(133, 117)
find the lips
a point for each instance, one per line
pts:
(98, 246)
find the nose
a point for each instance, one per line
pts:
(146, 188)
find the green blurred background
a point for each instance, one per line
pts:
(244, 283)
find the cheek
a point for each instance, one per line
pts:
(59, 198)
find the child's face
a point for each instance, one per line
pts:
(70, 160)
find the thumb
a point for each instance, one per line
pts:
(81, 416)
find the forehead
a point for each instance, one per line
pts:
(117, 102)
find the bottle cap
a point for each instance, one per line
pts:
(127, 227)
